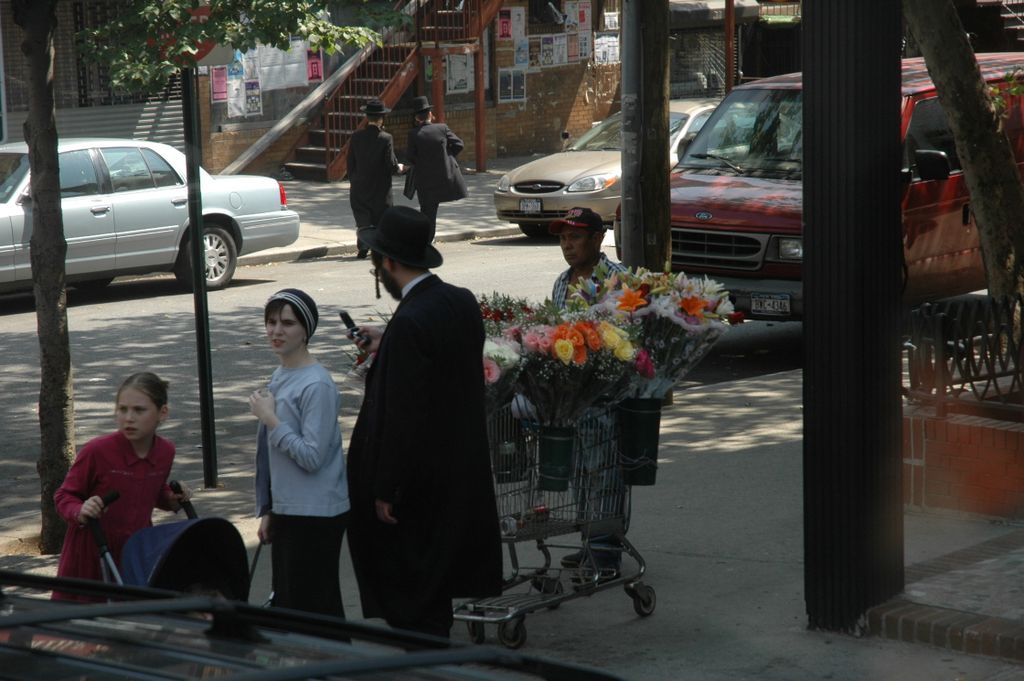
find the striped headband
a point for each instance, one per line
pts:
(303, 305)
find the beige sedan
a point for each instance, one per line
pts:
(586, 174)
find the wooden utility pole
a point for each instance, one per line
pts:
(645, 153)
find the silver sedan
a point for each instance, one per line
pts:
(125, 208)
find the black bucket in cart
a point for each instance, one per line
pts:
(554, 458)
(639, 431)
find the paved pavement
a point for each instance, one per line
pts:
(721, 534)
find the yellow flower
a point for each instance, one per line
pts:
(611, 335)
(564, 350)
(625, 351)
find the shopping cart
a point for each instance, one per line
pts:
(592, 503)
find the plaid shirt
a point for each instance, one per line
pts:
(561, 289)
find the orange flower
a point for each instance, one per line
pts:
(693, 305)
(592, 337)
(631, 299)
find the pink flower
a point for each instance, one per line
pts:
(532, 340)
(492, 372)
(644, 365)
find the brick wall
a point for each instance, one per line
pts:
(966, 464)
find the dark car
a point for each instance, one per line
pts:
(156, 634)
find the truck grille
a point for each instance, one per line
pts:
(538, 187)
(726, 250)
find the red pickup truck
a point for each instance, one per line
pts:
(737, 194)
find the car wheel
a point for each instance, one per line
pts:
(221, 260)
(533, 230)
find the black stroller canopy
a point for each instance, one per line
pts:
(202, 555)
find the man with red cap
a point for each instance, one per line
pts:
(580, 234)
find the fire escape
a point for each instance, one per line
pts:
(385, 71)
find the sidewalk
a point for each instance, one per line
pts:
(328, 227)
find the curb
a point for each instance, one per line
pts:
(293, 254)
(902, 619)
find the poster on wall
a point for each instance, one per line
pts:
(584, 15)
(572, 16)
(511, 85)
(606, 48)
(534, 52)
(547, 50)
(219, 84)
(504, 24)
(253, 98)
(518, 23)
(280, 69)
(585, 39)
(561, 49)
(314, 66)
(459, 72)
(573, 47)
(522, 53)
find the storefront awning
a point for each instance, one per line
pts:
(695, 13)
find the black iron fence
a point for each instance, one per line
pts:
(965, 356)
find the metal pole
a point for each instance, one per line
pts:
(197, 251)
(730, 47)
(632, 228)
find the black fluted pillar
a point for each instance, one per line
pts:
(853, 519)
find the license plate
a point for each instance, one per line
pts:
(769, 303)
(529, 205)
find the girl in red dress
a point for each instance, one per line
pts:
(135, 462)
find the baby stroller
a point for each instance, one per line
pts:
(197, 555)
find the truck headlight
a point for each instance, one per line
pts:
(791, 249)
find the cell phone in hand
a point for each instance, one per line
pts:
(346, 319)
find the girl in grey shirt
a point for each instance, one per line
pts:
(301, 490)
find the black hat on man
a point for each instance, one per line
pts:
(578, 218)
(421, 104)
(404, 234)
(375, 107)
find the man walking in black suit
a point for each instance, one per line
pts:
(432, 149)
(424, 523)
(371, 162)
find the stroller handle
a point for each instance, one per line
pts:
(190, 511)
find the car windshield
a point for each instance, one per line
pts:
(753, 132)
(607, 135)
(13, 168)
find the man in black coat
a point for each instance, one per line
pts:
(370, 164)
(424, 523)
(432, 149)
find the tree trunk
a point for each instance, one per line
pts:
(38, 20)
(990, 170)
(654, 156)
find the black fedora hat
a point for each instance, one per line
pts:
(421, 104)
(403, 234)
(375, 107)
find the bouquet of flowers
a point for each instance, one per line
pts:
(570, 363)
(502, 364)
(673, 319)
(502, 315)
